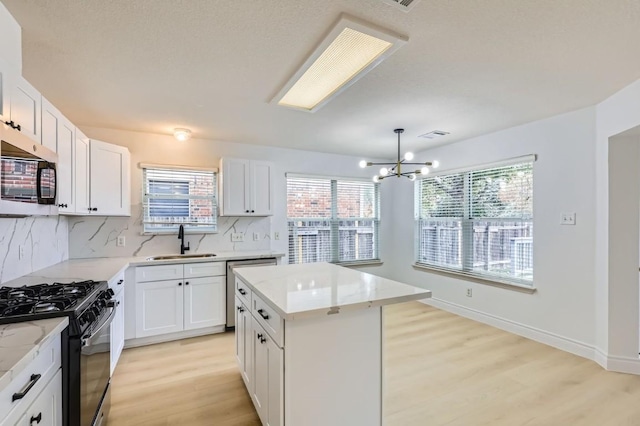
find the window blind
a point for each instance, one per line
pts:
(174, 197)
(332, 220)
(478, 222)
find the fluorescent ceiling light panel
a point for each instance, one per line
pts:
(350, 50)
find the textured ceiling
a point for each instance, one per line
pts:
(469, 68)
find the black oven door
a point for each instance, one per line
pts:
(95, 359)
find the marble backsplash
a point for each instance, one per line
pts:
(91, 236)
(43, 240)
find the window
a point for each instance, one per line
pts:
(478, 222)
(332, 220)
(174, 197)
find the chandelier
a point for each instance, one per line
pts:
(396, 170)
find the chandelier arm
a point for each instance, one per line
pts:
(419, 164)
(381, 164)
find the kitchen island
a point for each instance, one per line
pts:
(309, 342)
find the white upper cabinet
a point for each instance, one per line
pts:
(5, 98)
(10, 40)
(81, 173)
(110, 191)
(50, 122)
(246, 188)
(26, 107)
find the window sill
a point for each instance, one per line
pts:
(480, 280)
(372, 262)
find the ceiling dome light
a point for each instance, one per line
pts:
(424, 170)
(435, 164)
(363, 164)
(182, 134)
(384, 171)
(408, 156)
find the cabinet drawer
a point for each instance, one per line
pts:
(208, 269)
(46, 364)
(243, 292)
(159, 273)
(268, 318)
(117, 282)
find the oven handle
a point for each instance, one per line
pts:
(88, 340)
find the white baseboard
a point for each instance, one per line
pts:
(568, 345)
(611, 363)
(151, 340)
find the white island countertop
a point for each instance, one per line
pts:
(20, 343)
(314, 289)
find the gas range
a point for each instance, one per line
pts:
(85, 343)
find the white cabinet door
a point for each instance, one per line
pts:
(117, 331)
(246, 187)
(81, 175)
(159, 307)
(26, 106)
(261, 184)
(50, 122)
(204, 302)
(66, 181)
(244, 344)
(235, 182)
(110, 179)
(268, 375)
(5, 97)
(47, 407)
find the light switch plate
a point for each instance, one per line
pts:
(120, 241)
(568, 219)
(237, 237)
(256, 236)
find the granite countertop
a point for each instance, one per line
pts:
(314, 289)
(20, 343)
(105, 268)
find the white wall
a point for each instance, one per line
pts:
(617, 330)
(564, 303)
(44, 241)
(95, 236)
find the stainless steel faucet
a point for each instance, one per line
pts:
(183, 248)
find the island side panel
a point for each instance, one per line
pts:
(333, 369)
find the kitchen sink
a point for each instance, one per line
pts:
(182, 256)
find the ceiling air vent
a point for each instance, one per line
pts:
(434, 134)
(405, 5)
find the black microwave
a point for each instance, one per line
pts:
(28, 179)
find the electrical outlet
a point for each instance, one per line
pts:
(20, 252)
(120, 241)
(568, 219)
(276, 235)
(469, 292)
(237, 237)
(256, 236)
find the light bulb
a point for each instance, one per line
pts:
(408, 156)
(363, 164)
(182, 134)
(384, 171)
(435, 164)
(376, 179)
(424, 170)
(412, 177)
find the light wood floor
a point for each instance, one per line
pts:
(441, 369)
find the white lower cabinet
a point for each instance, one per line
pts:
(160, 307)
(268, 377)
(117, 325)
(261, 364)
(175, 298)
(244, 344)
(47, 408)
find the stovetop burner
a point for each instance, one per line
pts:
(42, 298)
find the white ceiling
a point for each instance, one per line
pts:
(470, 67)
